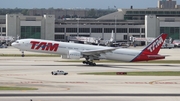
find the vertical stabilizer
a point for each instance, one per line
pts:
(112, 36)
(151, 51)
(156, 45)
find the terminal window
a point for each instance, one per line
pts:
(71, 30)
(59, 30)
(108, 30)
(3, 29)
(84, 30)
(143, 30)
(134, 30)
(121, 30)
(31, 32)
(96, 30)
(172, 32)
(59, 37)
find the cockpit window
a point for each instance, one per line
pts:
(17, 41)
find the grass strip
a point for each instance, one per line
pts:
(16, 88)
(152, 73)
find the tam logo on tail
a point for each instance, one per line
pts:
(156, 44)
(151, 51)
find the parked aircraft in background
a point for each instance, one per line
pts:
(110, 41)
(176, 43)
(94, 41)
(91, 52)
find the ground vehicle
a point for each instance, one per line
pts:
(3, 46)
(59, 72)
(168, 45)
(176, 43)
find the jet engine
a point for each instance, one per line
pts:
(73, 54)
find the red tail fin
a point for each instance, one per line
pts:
(151, 51)
(156, 45)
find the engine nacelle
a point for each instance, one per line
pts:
(73, 54)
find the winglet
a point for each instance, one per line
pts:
(156, 45)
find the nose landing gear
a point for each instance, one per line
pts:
(22, 54)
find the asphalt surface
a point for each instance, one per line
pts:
(36, 72)
(86, 94)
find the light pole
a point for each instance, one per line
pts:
(78, 26)
(115, 25)
(1, 35)
(115, 28)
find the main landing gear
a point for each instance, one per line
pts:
(90, 63)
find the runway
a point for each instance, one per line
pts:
(83, 94)
(36, 72)
(107, 98)
(32, 72)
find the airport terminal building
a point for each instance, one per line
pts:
(148, 22)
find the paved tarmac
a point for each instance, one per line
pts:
(36, 72)
(108, 98)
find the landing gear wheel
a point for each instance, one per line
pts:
(84, 62)
(22, 54)
(87, 62)
(92, 64)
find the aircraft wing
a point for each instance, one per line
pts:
(97, 51)
(157, 56)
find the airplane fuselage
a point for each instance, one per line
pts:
(62, 48)
(90, 52)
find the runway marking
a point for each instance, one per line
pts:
(13, 74)
(161, 81)
(122, 82)
(88, 94)
(31, 82)
(78, 82)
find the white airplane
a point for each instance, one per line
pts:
(111, 40)
(112, 36)
(91, 52)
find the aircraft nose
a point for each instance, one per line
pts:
(12, 44)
